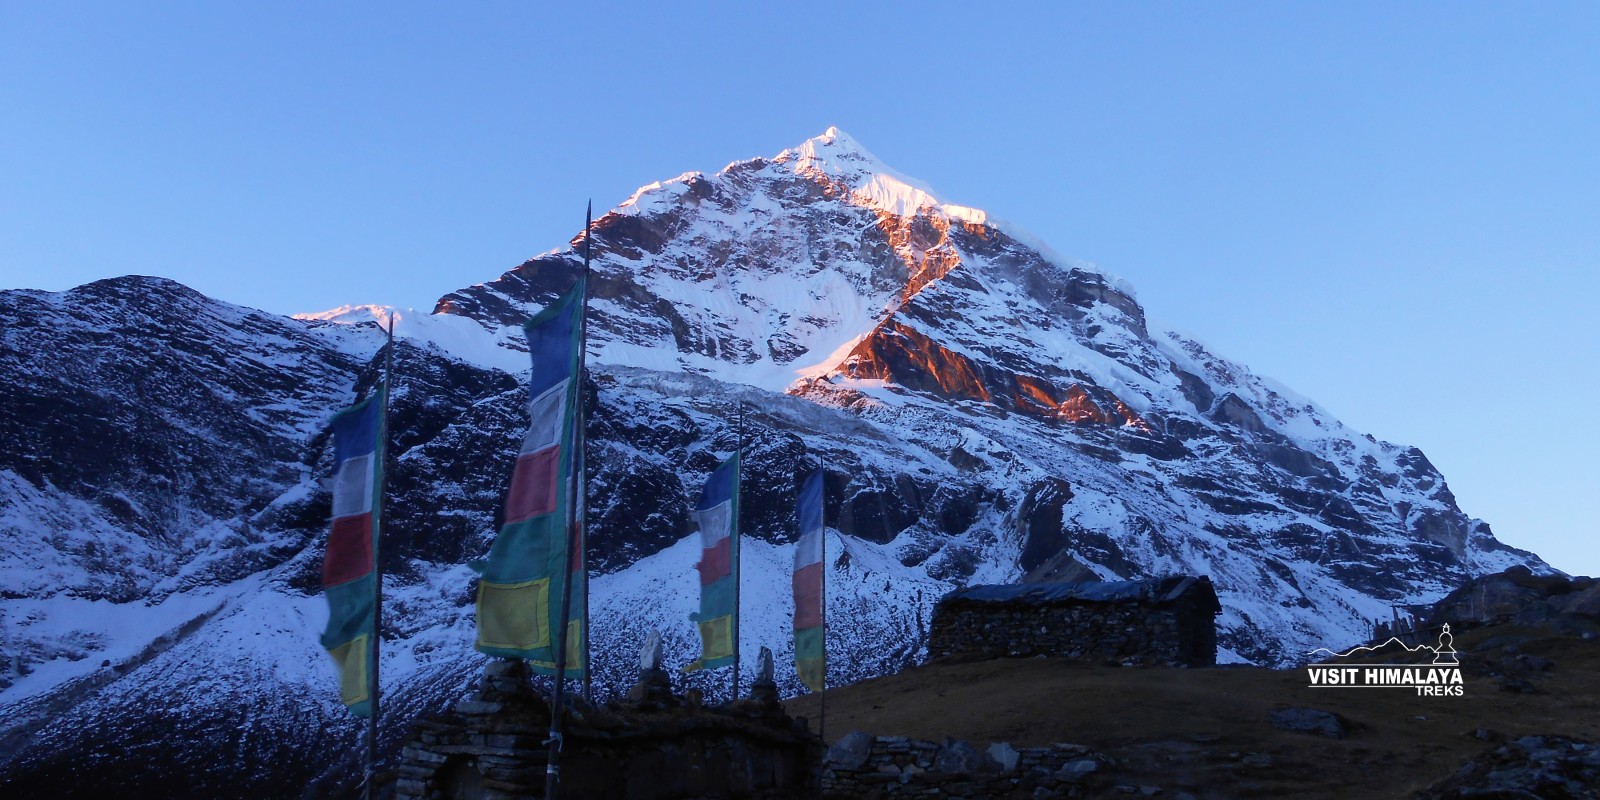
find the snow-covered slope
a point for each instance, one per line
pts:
(986, 411)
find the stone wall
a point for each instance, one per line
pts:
(864, 766)
(653, 746)
(1131, 634)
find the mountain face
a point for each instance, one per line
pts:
(985, 411)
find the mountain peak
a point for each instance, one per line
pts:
(836, 156)
(839, 158)
(834, 152)
(805, 252)
(834, 135)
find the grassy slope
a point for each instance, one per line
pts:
(1190, 730)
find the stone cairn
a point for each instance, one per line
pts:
(500, 731)
(654, 689)
(764, 692)
(651, 745)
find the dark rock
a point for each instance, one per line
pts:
(958, 755)
(1257, 760)
(1535, 663)
(1516, 595)
(471, 707)
(851, 751)
(1311, 720)
(1233, 411)
(1516, 686)
(1042, 507)
(1585, 603)
(654, 689)
(1074, 771)
(1004, 755)
(1546, 767)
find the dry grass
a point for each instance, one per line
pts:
(1191, 730)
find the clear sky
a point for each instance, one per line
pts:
(1393, 208)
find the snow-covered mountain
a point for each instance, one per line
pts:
(986, 411)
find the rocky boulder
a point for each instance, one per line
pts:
(1521, 596)
(1549, 767)
(1311, 720)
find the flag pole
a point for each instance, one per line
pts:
(738, 577)
(552, 767)
(822, 697)
(377, 570)
(583, 453)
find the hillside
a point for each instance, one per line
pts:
(1206, 731)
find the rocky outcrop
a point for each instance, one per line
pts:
(1549, 767)
(146, 425)
(910, 359)
(1519, 595)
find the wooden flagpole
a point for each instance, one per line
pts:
(822, 697)
(583, 454)
(552, 767)
(738, 574)
(377, 570)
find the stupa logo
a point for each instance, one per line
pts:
(1438, 676)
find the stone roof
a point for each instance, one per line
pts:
(1150, 591)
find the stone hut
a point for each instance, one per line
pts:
(1167, 621)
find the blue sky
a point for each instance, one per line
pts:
(1391, 208)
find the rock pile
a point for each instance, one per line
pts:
(861, 765)
(1547, 767)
